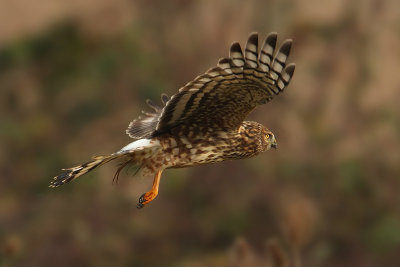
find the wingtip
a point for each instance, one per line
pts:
(253, 33)
(253, 38)
(272, 38)
(235, 47)
(286, 47)
(290, 68)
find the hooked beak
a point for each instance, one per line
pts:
(274, 145)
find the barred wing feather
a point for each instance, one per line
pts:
(221, 98)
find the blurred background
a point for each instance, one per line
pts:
(74, 73)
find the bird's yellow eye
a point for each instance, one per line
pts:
(268, 136)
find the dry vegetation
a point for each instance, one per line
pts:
(74, 73)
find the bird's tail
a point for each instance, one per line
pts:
(73, 173)
(134, 153)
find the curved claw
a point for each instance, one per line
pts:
(147, 197)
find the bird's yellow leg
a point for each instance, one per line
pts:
(147, 197)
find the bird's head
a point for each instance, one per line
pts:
(268, 140)
(262, 138)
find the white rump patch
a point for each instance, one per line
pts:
(140, 144)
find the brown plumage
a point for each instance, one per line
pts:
(204, 122)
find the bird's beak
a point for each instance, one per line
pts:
(274, 145)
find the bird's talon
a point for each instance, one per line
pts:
(145, 199)
(141, 198)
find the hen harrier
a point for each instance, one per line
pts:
(204, 121)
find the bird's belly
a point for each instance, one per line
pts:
(180, 152)
(197, 158)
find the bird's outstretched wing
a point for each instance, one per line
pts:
(221, 98)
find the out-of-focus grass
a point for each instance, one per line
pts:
(327, 197)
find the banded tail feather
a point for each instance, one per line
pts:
(133, 153)
(73, 173)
